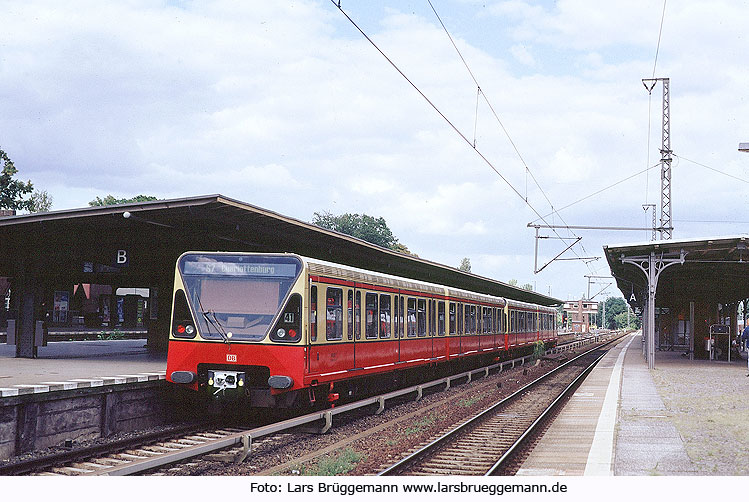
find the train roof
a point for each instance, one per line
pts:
(159, 231)
(354, 273)
(325, 267)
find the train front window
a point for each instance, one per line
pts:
(236, 297)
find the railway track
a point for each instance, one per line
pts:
(144, 454)
(485, 444)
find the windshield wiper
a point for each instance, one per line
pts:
(210, 316)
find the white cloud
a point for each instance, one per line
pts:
(286, 106)
(523, 55)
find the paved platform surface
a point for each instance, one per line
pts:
(68, 365)
(617, 423)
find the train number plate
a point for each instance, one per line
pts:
(231, 358)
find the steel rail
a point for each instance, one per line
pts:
(245, 438)
(510, 453)
(398, 467)
(29, 465)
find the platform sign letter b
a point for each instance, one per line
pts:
(121, 257)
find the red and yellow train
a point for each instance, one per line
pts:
(284, 330)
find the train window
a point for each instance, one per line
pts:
(350, 315)
(313, 313)
(487, 320)
(451, 313)
(421, 316)
(334, 314)
(474, 323)
(441, 318)
(384, 316)
(460, 318)
(513, 321)
(467, 316)
(432, 318)
(370, 305)
(521, 322)
(357, 316)
(412, 317)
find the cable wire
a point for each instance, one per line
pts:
(441, 114)
(660, 32)
(528, 171)
(604, 189)
(711, 168)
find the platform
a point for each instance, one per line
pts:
(616, 423)
(70, 365)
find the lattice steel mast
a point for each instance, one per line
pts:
(667, 227)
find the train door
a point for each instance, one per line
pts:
(357, 325)
(431, 330)
(351, 340)
(314, 314)
(400, 320)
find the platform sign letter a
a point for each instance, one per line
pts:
(121, 257)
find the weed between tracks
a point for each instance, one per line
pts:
(420, 425)
(341, 462)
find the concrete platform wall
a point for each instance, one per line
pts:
(35, 421)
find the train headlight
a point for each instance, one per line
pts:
(190, 329)
(281, 333)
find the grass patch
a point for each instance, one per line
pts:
(333, 465)
(420, 425)
(467, 403)
(538, 349)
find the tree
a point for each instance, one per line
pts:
(513, 282)
(361, 226)
(110, 200)
(614, 307)
(621, 321)
(12, 191)
(41, 202)
(527, 286)
(465, 265)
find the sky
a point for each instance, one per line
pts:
(287, 106)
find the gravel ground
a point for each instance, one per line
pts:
(709, 405)
(365, 445)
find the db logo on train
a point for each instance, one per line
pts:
(231, 358)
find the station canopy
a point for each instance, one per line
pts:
(715, 270)
(97, 244)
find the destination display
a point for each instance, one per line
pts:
(236, 269)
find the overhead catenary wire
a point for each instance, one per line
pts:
(650, 99)
(440, 113)
(597, 192)
(711, 168)
(660, 33)
(528, 171)
(486, 99)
